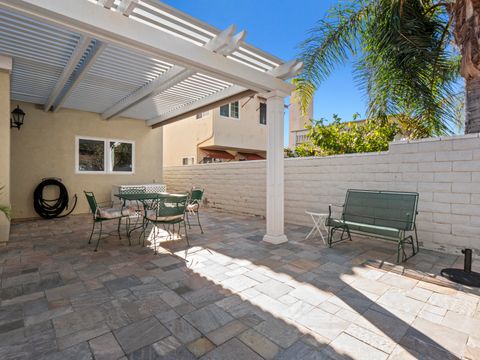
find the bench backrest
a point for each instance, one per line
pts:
(383, 208)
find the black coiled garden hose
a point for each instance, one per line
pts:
(52, 208)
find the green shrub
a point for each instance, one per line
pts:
(340, 137)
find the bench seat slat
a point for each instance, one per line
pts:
(367, 228)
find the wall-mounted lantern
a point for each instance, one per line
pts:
(16, 119)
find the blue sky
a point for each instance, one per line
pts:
(279, 26)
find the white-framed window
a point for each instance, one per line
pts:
(104, 156)
(190, 160)
(263, 114)
(231, 110)
(202, 114)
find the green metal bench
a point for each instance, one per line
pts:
(388, 215)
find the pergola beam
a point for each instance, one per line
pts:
(79, 74)
(230, 94)
(68, 70)
(111, 27)
(126, 7)
(107, 3)
(224, 43)
(287, 70)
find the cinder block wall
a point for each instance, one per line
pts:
(445, 172)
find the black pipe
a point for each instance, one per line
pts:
(467, 265)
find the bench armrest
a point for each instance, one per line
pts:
(337, 205)
(330, 208)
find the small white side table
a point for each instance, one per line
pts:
(318, 224)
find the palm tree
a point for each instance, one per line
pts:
(405, 58)
(465, 15)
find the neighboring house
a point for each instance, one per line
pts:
(297, 122)
(233, 132)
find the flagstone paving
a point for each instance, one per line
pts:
(228, 296)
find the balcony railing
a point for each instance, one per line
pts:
(300, 136)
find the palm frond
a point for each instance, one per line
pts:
(329, 44)
(404, 61)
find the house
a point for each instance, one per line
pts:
(99, 79)
(297, 123)
(232, 132)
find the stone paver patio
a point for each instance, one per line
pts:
(228, 296)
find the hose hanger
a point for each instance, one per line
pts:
(52, 208)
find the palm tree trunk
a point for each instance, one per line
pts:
(472, 105)
(466, 18)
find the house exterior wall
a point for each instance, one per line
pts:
(45, 147)
(445, 172)
(4, 150)
(243, 133)
(183, 138)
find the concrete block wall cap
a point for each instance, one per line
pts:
(338, 156)
(398, 142)
(431, 139)
(461, 136)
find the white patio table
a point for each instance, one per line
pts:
(318, 219)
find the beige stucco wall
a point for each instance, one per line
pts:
(444, 171)
(45, 147)
(4, 151)
(180, 139)
(243, 133)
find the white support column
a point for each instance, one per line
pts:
(275, 169)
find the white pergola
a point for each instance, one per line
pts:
(144, 60)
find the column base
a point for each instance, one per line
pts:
(275, 239)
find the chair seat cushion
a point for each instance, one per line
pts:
(192, 207)
(367, 228)
(152, 216)
(115, 213)
(135, 210)
(135, 205)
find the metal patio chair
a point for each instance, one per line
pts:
(136, 207)
(167, 211)
(102, 214)
(193, 206)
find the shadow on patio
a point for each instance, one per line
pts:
(233, 297)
